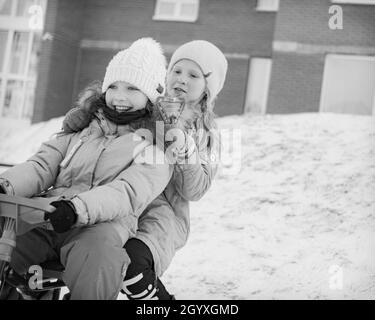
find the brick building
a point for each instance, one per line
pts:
(277, 50)
(316, 68)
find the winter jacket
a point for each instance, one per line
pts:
(106, 170)
(165, 224)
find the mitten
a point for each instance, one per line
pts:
(63, 218)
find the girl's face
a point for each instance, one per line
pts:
(124, 97)
(186, 80)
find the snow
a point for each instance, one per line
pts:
(20, 139)
(296, 219)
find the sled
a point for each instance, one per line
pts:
(19, 215)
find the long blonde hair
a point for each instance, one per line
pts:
(207, 120)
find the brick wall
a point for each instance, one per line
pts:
(295, 83)
(231, 100)
(306, 21)
(57, 64)
(235, 27)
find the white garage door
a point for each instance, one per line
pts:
(348, 84)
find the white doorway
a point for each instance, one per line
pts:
(258, 85)
(348, 84)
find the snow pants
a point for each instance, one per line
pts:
(94, 259)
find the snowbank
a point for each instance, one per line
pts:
(19, 139)
(297, 220)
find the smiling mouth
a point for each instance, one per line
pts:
(122, 108)
(179, 91)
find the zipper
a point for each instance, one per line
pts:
(70, 155)
(94, 169)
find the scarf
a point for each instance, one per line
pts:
(124, 117)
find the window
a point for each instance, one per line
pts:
(369, 2)
(267, 5)
(177, 10)
(21, 24)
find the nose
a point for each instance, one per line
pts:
(181, 79)
(120, 98)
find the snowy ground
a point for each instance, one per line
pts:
(296, 222)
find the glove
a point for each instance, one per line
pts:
(63, 218)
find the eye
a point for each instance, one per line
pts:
(177, 71)
(131, 88)
(112, 86)
(194, 75)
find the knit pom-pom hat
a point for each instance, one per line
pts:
(143, 65)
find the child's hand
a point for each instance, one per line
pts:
(188, 149)
(181, 148)
(63, 218)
